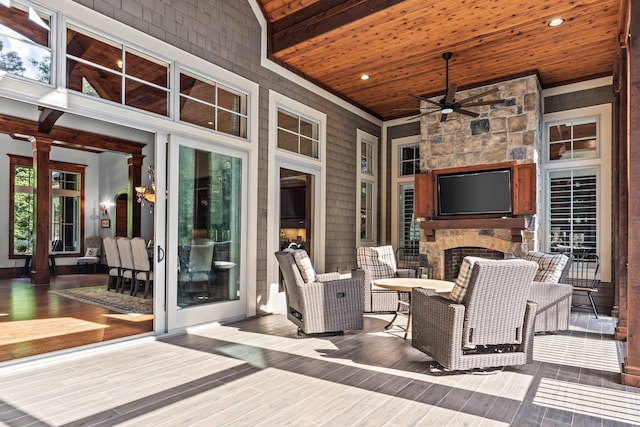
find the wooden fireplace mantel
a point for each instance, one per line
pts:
(516, 225)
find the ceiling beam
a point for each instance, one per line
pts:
(69, 138)
(321, 17)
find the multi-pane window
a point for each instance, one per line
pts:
(115, 72)
(409, 236)
(66, 200)
(409, 160)
(367, 152)
(298, 134)
(65, 209)
(366, 211)
(573, 210)
(573, 140)
(25, 42)
(366, 157)
(212, 105)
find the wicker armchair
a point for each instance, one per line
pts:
(491, 327)
(324, 303)
(553, 294)
(379, 263)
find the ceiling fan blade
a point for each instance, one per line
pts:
(422, 98)
(480, 95)
(479, 103)
(451, 93)
(467, 112)
(443, 117)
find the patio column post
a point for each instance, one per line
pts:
(621, 193)
(631, 365)
(42, 211)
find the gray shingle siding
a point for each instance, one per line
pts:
(227, 33)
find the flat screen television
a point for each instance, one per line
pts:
(474, 193)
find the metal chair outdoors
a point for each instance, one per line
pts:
(584, 277)
(408, 258)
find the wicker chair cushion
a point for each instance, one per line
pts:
(550, 266)
(304, 265)
(379, 261)
(462, 282)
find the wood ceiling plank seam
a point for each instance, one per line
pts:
(343, 35)
(335, 74)
(336, 48)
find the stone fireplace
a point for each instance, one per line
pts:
(502, 133)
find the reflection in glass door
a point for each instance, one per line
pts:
(209, 227)
(296, 207)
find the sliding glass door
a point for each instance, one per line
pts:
(205, 239)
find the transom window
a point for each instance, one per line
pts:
(573, 140)
(25, 42)
(409, 159)
(66, 201)
(105, 69)
(212, 105)
(297, 134)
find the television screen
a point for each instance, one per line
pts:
(475, 193)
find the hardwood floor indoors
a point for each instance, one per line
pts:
(256, 373)
(34, 321)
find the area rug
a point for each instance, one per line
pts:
(99, 296)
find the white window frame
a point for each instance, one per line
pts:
(396, 181)
(372, 179)
(279, 158)
(601, 163)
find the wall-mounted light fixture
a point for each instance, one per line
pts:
(104, 209)
(148, 194)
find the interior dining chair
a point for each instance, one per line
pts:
(113, 263)
(126, 262)
(92, 247)
(142, 266)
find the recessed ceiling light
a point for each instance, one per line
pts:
(364, 77)
(556, 22)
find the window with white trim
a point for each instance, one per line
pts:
(573, 210)
(405, 163)
(367, 188)
(577, 184)
(297, 134)
(25, 41)
(209, 104)
(113, 71)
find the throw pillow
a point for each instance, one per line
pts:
(462, 282)
(91, 252)
(550, 266)
(304, 265)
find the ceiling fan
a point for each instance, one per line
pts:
(448, 104)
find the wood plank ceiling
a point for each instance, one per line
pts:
(399, 44)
